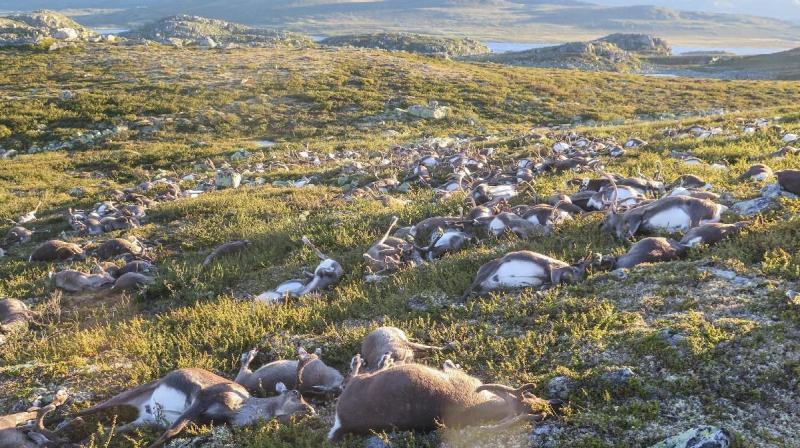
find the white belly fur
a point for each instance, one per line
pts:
(166, 405)
(497, 226)
(516, 274)
(669, 220)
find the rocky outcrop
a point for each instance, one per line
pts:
(592, 56)
(412, 43)
(36, 27)
(643, 44)
(183, 30)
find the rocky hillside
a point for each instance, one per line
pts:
(640, 43)
(183, 30)
(591, 56)
(413, 43)
(35, 27)
(516, 20)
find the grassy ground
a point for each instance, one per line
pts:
(735, 364)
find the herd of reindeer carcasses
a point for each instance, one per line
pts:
(385, 389)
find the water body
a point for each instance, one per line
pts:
(108, 31)
(503, 47)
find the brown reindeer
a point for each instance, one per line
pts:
(416, 397)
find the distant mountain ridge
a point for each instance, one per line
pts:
(517, 20)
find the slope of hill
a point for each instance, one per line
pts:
(183, 29)
(34, 27)
(413, 43)
(519, 20)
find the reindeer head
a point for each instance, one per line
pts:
(521, 404)
(291, 404)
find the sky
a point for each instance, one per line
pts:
(781, 9)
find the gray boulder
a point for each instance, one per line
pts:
(700, 437)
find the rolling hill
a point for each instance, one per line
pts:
(525, 20)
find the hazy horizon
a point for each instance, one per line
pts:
(780, 9)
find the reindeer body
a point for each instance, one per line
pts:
(309, 374)
(393, 341)
(789, 180)
(118, 246)
(691, 181)
(624, 195)
(543, 214)
(17, 235)
(132, 281)
(523, 269)
(758, 173)
(511, 222)
(196, 395)
(651, 250)
(711, 233)
(224, 250)
(13, 313)
(669, 214)
(416, 397)
(76, 281)
(57, 250)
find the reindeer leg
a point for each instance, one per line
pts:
(386, 362)
(188, 416)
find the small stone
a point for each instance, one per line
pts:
(619, 376)
(619, 274)
(560, 387)
(700, 437)
(228, 179)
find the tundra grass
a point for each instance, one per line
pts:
(703, 349)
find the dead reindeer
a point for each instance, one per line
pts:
(119, 246)
(57, 250)
(522, 228)
(415, 397)
(669, 214)
(132, 282)
(309, 374)
(712, 233)
(697, 194)
(16, 235)
(389, 253)
(327, 273)
(113, 223)
(622, 195)
(13, 314)
(543, 214)
(12, 436)
(76, 281)
(136, 266)
(485, 193)
(30, 216)
(451, 240)
(691, 182)
(756, 173)
(392, 341)
(224, 250)
(196, 395)
(564, 203)
(789, 180)
(651, 250)
(525, 269)
(423, 231)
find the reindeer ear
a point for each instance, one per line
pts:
(318, 351)
(281, 388)
(301, 351)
